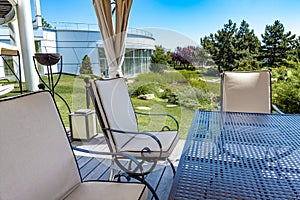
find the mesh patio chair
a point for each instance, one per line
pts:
(120, 127)
(249, 91)
(36, 158)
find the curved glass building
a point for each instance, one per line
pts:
(75, 40)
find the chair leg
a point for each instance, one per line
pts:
(131, 173)
(148, 186)
(172, 166)
(112, 170)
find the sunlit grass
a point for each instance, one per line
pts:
(72, 89)
(183, 115)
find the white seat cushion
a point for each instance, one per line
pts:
(36, 161)
(168, 141)
(95, 190)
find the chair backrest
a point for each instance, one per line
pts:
(246, 91)
(114, 110)
(36, 160)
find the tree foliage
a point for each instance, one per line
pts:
(160, 60)
(46, 24)
(232, 47)
(247, 48)
(235, 48)
(277, 45)
(221, 47)
(183, 57)
(202, 58)
(86, 66)
(286, 93)
(188, 57)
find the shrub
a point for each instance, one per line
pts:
(174, 77)
(188, 99)
(286, 93)
(170, 95)
(190, 74)
(148, 88)
(207, 100)
(200, 84)
(157, 67)
(280, 73)
(191, 93)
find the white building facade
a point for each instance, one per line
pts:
(75, 40)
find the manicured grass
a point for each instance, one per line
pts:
(183, 115)
(72, 89)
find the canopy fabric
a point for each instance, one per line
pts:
(113, 38)
(8, 50)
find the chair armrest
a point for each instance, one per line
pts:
(274, 107)
(145, 149)
(167, 115)
(124, 155)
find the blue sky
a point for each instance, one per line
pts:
(192, 18)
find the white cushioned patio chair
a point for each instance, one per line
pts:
(247, 91)
(4, 89)
(120, 127)
(36, 158)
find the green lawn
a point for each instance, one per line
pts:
(72, 89)
(183, 115)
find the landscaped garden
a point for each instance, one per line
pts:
(178, 85)
(178, 93)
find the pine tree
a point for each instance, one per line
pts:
(159, 60)
(46, 24)
(247, 48)
(86, 67)
(221, 46)
(233, 48)
(297, 50)
(277, 45)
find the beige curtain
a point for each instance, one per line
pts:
(113, 38)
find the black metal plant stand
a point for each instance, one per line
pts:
(48, 60)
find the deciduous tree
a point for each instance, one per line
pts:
(183, 57)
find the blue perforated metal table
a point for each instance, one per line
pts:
(240, 156)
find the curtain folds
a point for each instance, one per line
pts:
(113, 37)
